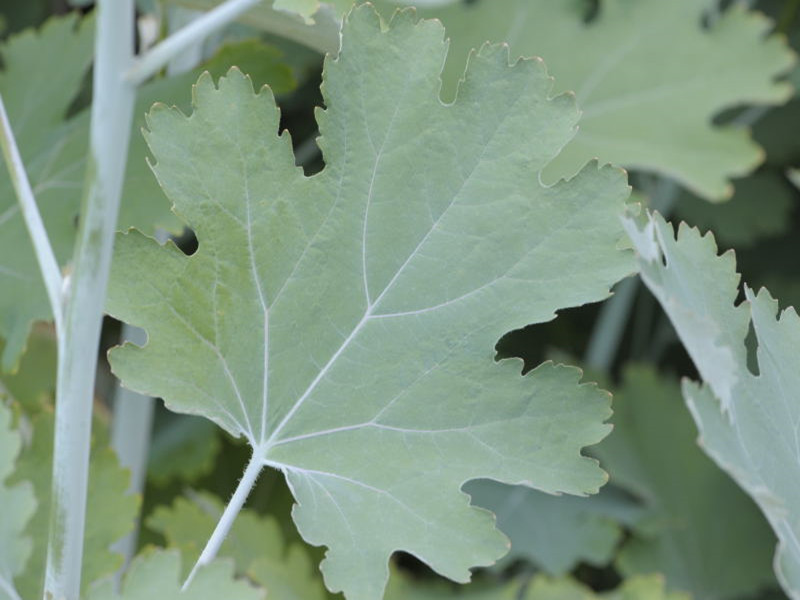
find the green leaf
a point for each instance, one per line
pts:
(38, 93)
(110, 516)
(352, 315)
(760, 207)
(652, 452)
(156, 574)
(18, 505)
(33, 385)
(541, 587)
(255, 543)
(647, 100)
(42, 73)
(554, 532)
(635, 588)
(185, 448)
(747, 422)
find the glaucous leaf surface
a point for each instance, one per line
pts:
(653, 453)
(185, 448)
(554, 532)
(156, 574)
(748, 423)
(760, 208)
(18, 506)
(255, 543)
(33, 385)
(42, 73)
(345, 323)
(647, 100)
(111, 511)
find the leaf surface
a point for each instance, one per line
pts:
(345, 323)
(647, 101)
(748, 423)
(156, 574)
(18, 505)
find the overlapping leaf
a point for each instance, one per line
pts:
(748, 423)
(555, 532)
(18, 505)
(255, 543)
(647, 99)
(652, 452)
(156, 574)
(110, 518)
(345, 323)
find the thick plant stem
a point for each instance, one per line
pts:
(157, 57)
(53, 281)
(225, 523)
(112, 113)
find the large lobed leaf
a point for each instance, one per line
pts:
(647, 100)
(748, 422)
(345, 323)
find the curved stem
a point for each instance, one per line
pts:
(225, 523)
(48, 264)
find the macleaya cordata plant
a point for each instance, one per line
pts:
(345, 324)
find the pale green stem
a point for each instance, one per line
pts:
(614, 315)
(130, 437)
(112, 113)
(225, 522)
(159, 55)
(53, 282)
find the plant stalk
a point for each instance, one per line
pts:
(111, 118)
(45, 256)
(159, 55)
(225, 523)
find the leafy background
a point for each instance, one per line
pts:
(694, 98)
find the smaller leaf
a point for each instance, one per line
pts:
(110, 517)
(156, 574)
(554, 532)
(18, 506)
(255, 543)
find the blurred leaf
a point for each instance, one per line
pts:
(184, 448)
(111, 511)
(555, 532)
(255, 543)
(34, 383)
(156, 574)
(647, 99)
(652, 452)
(761, 207)
(18, 506)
